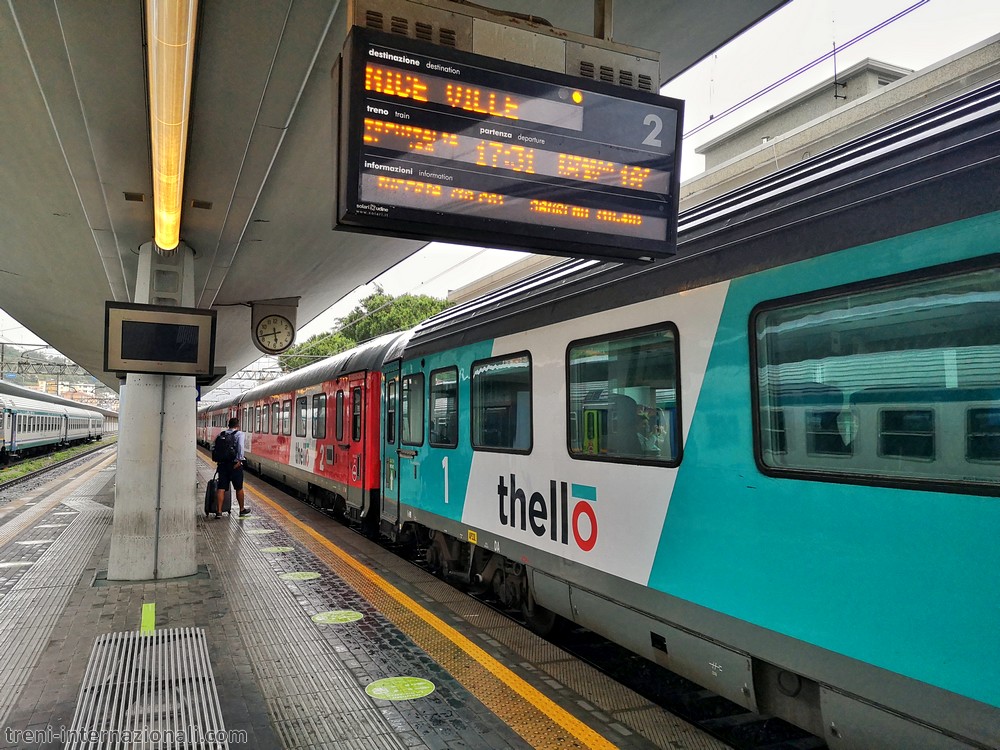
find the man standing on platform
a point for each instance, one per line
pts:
(228, 454)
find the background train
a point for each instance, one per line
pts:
(32, 422)
(769, 464)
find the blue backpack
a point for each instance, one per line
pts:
(224, 448)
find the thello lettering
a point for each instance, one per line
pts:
(550, 516)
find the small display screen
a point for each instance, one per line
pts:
(165, 342)
(158, 339)
(441, 144)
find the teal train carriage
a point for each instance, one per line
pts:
(770, 463)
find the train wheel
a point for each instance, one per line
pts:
(539, 619)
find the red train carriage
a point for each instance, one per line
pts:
(317, 429)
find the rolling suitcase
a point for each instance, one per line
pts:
(210, 502)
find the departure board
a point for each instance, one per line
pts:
(439, 144)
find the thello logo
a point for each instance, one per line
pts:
(551, 514)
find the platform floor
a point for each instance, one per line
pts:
(301, 616)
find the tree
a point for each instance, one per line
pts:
(377, 314)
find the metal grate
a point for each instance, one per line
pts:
(156, 688)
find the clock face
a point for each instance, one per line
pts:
(274, 333)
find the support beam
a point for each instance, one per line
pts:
(153, 534)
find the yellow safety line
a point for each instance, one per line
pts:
(558, 715)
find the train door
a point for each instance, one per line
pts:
(356, 490)
(411, 432)
(390, 446)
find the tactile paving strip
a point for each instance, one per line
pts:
(542, 723)
(306, 688)
(595, 686)
(30, 611)
(666, 730)
(371, 648)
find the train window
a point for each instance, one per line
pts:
(340, 416)
(868, 378)
(275, 417)
(774, 426)
(286, 417)
(622, 394)
(319, 416)
(390, 411)
(301, 406)
(501, 404)
(356, 414)
(444, 408)
(265, 418)
(906, 433)
(412, 408)
(823, 434)
(983, 435)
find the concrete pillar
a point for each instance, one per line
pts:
(153, 532)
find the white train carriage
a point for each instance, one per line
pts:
(31, 426)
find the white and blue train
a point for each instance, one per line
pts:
(32, 422)
(771, 463)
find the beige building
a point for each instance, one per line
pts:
(876, 94)
(863, 98)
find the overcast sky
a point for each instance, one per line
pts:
(788, 40)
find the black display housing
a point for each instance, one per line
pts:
(443, 145)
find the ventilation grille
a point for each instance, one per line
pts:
(421, 30)
(606, 73)
(139, 682)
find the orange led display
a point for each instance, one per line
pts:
(395, 83)
(496, 155)
(444, 144)
(473, 99)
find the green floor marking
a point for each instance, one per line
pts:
(336, 617)
(299, 576)
(260, 531)
(148, 618)
(400, 688)
(277, 549)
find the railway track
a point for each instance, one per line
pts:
(6, 484)
(726, 721)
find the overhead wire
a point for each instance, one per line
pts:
(808, 66)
